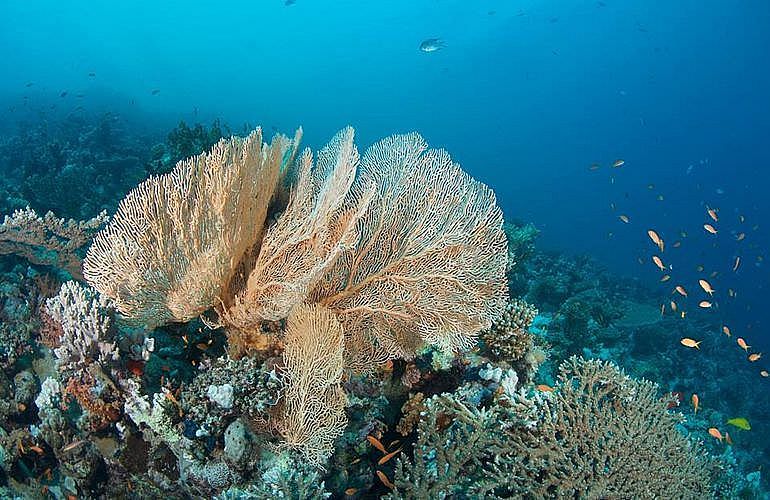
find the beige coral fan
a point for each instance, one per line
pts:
(405, 247)
(429, 267)
(314, 403)
(177, 239)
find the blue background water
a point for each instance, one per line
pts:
(526, 95)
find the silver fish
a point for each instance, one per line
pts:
(431, 44)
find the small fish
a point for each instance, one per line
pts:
(660, 197)
(650, 186)
(388, 456)
(155, 91)
(658, 262)
(612, 206)
(677, 244)
(618, 163)
(385, 480)
(624, 218)
(655, 237)
(662, 309)
(673, 306)
(740, 236)
(731, 292)
(737, 263)
(92, 74)
(431, 45)
(695, 401)
(350, 491)
(37, 449)
(705, 304)
(680, 290)
(688, 342)
(683, 234)
(377, 444)
(742, 344)
(544, 388)
(740, 423)
(742, 219)
(594, 166)
(713, 274)
(665, 278)
(714, 432)
(706, 287)
(709, 228)
(755, 356)
(202, 346)
(713, 214)
(764, 373)
(63, 93)
(726, 330)
(728, 440)
(684, 313)
(72, 445)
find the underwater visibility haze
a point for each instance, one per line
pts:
(405, 249)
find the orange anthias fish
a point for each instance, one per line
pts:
(742, 344)
(688, 342)
(713, 214)
(377, 444)
(544, 388)
(656, 239)
(714, 432)
(728, 440)
(755, 356)
(680, 290)
(709, 228)
(726, 330)
(705, 304)
(737, 263)
(764, 373)
(695, 401)
(673, 306)
(385, 480)
(665, 278)
(706, 287)
(658, 262)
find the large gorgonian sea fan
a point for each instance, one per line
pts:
(177, 239)
(429, 268)
(406, 248)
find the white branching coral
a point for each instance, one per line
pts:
(48, 240)
(178, 239)
(314, 403)
(85, 317)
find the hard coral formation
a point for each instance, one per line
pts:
(600, 434)
(509, 336)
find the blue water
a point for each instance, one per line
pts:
(526, 95)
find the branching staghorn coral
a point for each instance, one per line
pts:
(314, 403)
(48, 240)
(600, 434)
(177, 239)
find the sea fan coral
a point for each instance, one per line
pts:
(177, 239)
(314, 403)
(430, 263)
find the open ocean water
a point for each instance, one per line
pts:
(281, 336)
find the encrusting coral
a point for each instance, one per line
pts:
(509, 338)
